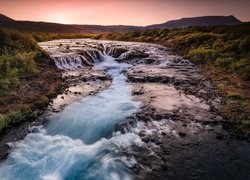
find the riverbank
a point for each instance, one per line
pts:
(221, 53)
(33, 96)
(29, 80)
(186, 135)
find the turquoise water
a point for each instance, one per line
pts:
(79, 142)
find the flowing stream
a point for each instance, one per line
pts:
(78, 142)
(132, 111)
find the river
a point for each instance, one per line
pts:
(132, 111)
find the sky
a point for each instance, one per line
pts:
(117, 12)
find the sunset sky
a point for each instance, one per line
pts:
(127, 12)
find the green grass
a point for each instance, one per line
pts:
(17, 62)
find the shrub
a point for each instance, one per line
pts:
(25, 64)
(16, 117)
(243, 67)
(201, 55)
(14, 66)
(224, 63)
(244, 45)
(25, 110)
(245, 124)
(12, 41)
(2, 122)
(8, 76)
(43, 102)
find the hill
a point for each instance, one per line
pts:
(103, 29)
(4, 18)
(32, 26)
(197, 21)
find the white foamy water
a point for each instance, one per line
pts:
(77, 143)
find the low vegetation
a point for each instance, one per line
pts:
(40, 37)
(20, 65)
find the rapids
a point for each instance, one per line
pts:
(78, 142)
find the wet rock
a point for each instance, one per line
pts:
(184, 125)
(182, 134)
(138, 92)
(118, 51)
(163, 133)
(165, 167)
(147, 78)
(142, 133)
(137, 54)
(219, 136)
(145, 139)
(4, 151)
(150, 61)
(35, 129)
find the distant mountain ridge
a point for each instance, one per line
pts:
(32, 26)
(197, 21)
(5, 18)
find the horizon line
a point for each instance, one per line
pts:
(123, 24)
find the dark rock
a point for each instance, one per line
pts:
(182, 134)
(165, 167)
(145, 139)
(219, 136)
(137, 54)
(118, 51)
(163, 133)
(142, 133)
